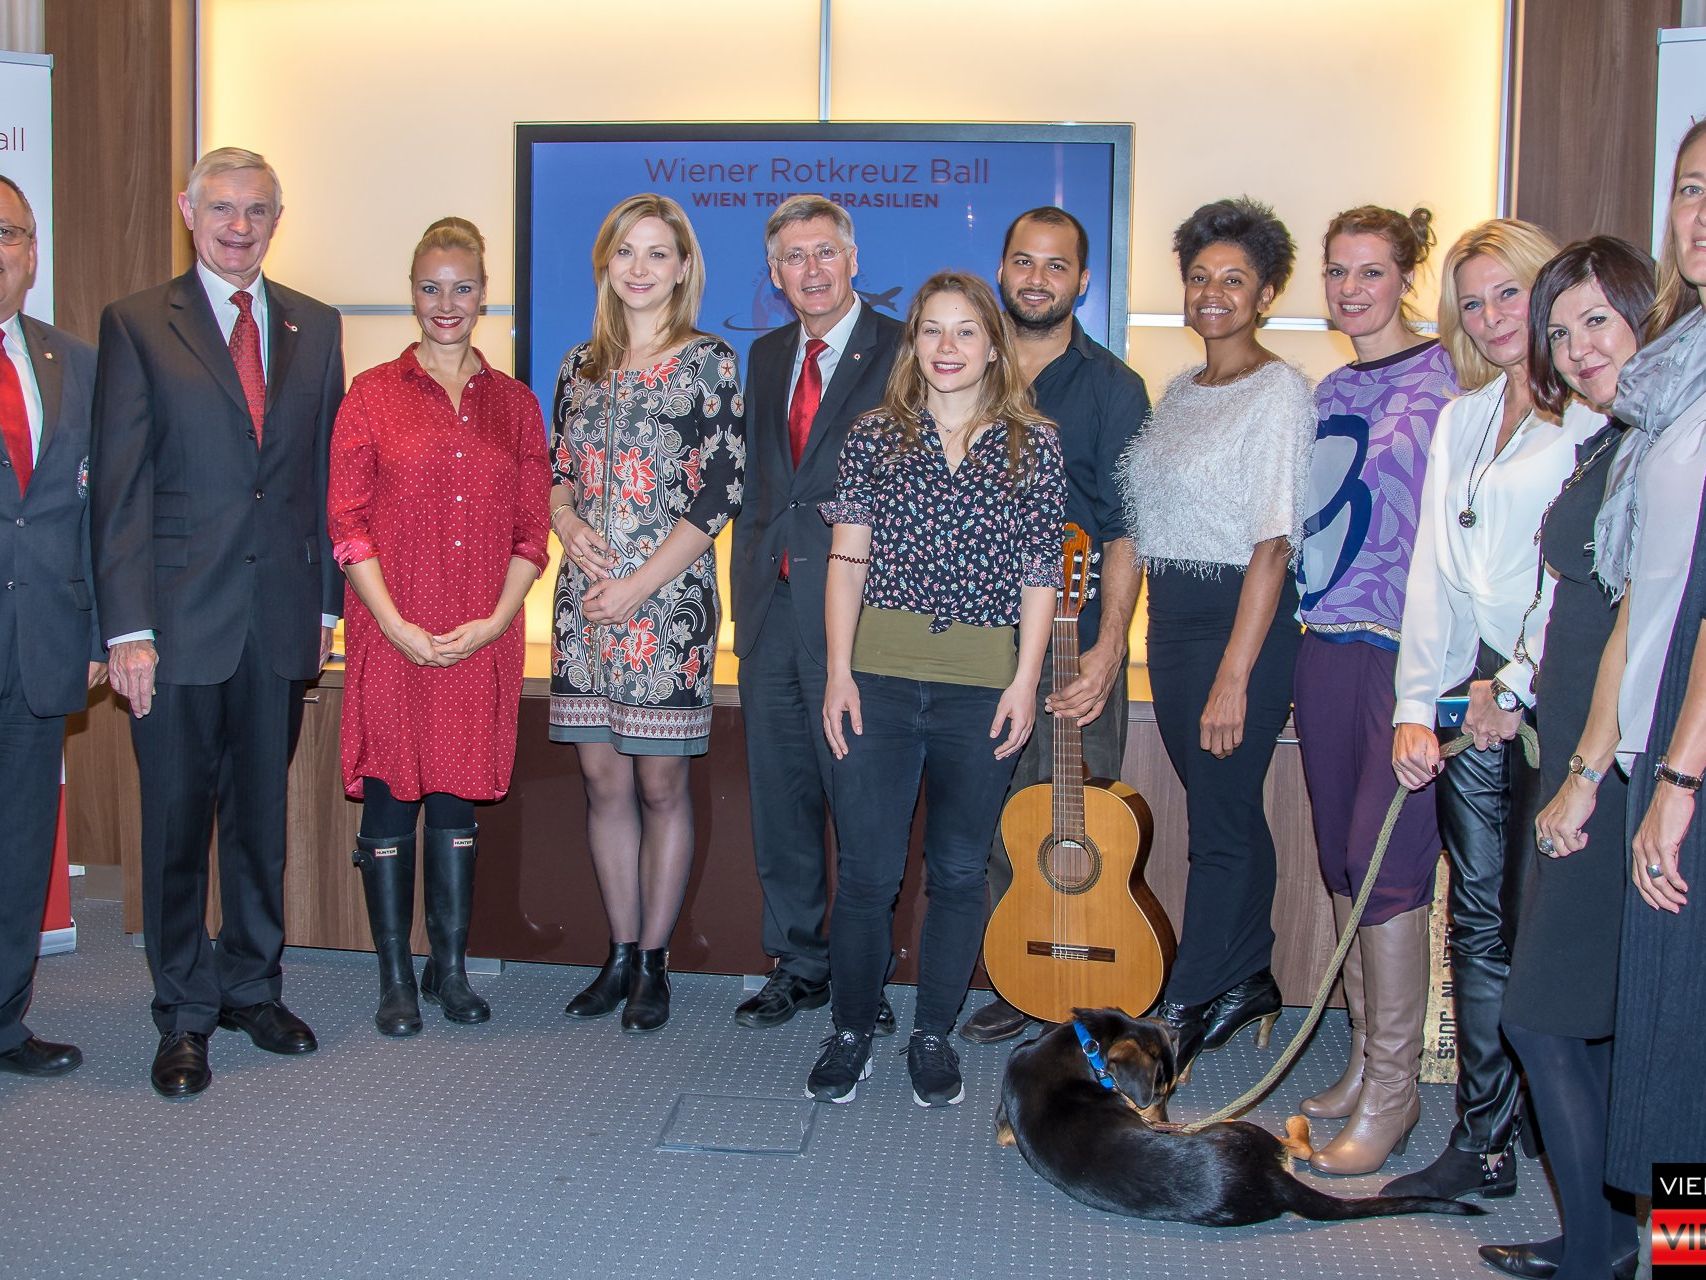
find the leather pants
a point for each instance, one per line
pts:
(1487, 804)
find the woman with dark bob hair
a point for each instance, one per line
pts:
(1214, 486)
(1584, 323)
(1649, 712)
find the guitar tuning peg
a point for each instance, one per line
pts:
(1095, 557)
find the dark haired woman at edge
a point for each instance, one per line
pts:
(942, 578)
(1584, 324)
(1650, 708)
(1214, 486)
(1376, 418)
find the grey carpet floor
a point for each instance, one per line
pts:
(531, 1147)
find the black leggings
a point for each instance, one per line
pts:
(384, 816)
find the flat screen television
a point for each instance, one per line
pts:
(924, 198)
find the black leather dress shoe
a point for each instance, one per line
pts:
(781, 997)
(271, 1026)
(885, 1018)
(41, 1058)
(996, 1021)
(180, 1065)
(1529, 1261)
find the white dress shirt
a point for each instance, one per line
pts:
(827, 361)
(19, 355)
(1667, 509)
(1475, 584)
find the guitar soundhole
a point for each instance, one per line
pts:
(1069, 866)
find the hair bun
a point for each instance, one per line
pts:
(1422, 223)
(453, 223)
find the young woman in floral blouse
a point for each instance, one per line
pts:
(940, 596)
(649, 449)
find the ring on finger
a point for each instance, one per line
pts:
(1655, 870)
(1545, 845)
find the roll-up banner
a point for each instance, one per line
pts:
(26, 157)
(1682, 101)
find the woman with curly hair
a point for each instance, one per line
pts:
(650, 450)
(1215, 485)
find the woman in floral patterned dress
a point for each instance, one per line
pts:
(648, 455)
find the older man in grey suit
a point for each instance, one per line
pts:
(214, 403)
(50, 651)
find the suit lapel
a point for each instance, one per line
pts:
(48, 364)
(773, 389)
(192, 320)
(281, 339)
(849, 370)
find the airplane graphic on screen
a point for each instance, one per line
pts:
(769, 310)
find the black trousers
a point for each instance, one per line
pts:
(30, 748)
(1487, 804)
(1227, 934)
(204, 749)
(788, 772)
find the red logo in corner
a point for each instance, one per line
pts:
(1679, 1221)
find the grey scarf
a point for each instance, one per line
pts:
(1661, 380)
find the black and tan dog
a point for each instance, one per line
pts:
(1087, 1111)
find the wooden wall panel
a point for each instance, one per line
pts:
(1583, 123)
(123, 85)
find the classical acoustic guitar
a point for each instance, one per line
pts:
(1078, 929)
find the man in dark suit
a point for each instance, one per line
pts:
(50, 651)
(214, 404)
(806, 382)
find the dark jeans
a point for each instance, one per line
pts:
(939, 732)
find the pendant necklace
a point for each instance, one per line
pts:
(1466, 517)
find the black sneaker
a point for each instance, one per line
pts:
(935, 1070)
(845, 1060)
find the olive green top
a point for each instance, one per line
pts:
(897, 642)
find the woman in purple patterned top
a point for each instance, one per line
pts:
(1377, 416)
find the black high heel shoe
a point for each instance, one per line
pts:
(1189, 1023)
(1256, 999)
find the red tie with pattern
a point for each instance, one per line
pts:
(15, 420)
(246, 355)
(808, 394)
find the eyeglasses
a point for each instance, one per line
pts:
(11, 237)
(823, 255)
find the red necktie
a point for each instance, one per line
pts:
(246, 355)
(808, 394)
(15, 420)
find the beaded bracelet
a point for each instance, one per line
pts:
(836, 555)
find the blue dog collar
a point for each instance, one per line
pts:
(1093, 1055)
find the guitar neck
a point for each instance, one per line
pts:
(1068, 740)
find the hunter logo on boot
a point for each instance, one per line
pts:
(386, 851)
(1679, 1221)
(462, 842)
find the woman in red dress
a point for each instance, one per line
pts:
(438, 511)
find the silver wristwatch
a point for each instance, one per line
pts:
(1578, 765)
(1504, 697)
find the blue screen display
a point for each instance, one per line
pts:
(919, 205)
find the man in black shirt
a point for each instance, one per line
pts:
(1098, 403)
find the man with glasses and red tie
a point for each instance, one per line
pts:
(806, 382)
(214, 401)
(50, 651)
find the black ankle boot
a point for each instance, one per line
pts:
(1256, 999)
(610, 987)
(1460, 1173)
(648, 992)
(1189, 1022)
(449, 904)
(388, 882)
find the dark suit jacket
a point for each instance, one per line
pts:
(192, 523)
(44, 535)
(780, 509)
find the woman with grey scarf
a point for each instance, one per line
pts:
(1649, 711)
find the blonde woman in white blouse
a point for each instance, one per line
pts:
(1493, 466)
(1215, 485)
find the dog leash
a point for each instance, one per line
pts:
(1244, 1101)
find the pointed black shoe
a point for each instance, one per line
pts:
(1529, 1260)
(648, 992)
(1189, 1023)
(610, 988)
(41, 1058)
(449, 858)
(387, 869)
(1256, 999)
(1456, 1174)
